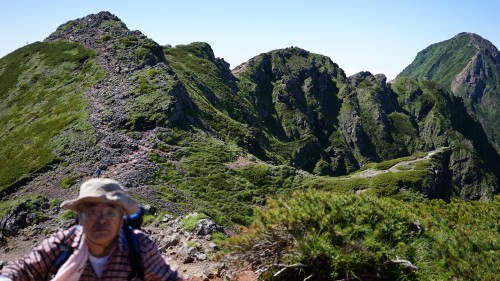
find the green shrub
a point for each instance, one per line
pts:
(54, 203)
(389, 163)
(338, 184)
(67, 182)
(218, 238)
(157, 218)
(256, 174)
(338, 236)
(68, 215)
(189, 222)
(389, 184)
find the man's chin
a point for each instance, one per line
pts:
(102, 234)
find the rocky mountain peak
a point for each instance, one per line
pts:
(137, 75)
(202, 50)
(469, 66)
(91, 28)
(119, 49)
(290, 51)
(482, 45)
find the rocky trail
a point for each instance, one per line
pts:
(403, 165)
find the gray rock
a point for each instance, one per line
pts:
(206, 227)
(172, 240)
(201, 257)
(166, 218)
(214, 270)
(213, 246)
(192, 251)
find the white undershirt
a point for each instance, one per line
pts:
(98, 264)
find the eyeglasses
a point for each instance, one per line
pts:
(93, 213)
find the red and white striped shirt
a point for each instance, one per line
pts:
(39, 264)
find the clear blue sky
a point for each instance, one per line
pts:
(376, 36)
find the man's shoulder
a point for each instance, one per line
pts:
(142, 236)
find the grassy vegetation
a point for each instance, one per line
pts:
(337, 184)
(391, 184)
(190, 222)
(199, 173)
(67, 182)
(339, 236)
(441, 62)
(384, 165)
(67, 215)
(41, 91)
(36, 206)
(219, 108)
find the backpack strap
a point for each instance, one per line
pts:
(65, 248)
(134, 253)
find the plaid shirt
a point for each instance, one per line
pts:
(39, 264)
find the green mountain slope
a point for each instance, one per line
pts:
(294, 97)
(181, 129)
(43, 106)
(469, 67)
(185, 133)
(442, 121)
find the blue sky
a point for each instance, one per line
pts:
(376, 36)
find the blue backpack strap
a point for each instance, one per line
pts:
(65, 248)
(134, 253)
(135, 220)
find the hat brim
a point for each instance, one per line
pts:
(129, 205)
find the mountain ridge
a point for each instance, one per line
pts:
(183, 132)
(473, 76)
(143, 90)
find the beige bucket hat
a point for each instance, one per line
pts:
(103, 190)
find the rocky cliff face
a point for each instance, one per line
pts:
(293, 94)
(468, 66)
(332, 124)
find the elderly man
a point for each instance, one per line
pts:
(99, 250)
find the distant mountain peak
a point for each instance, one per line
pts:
(478, 42)
(93, 28)
(118, 48)
(469, 66)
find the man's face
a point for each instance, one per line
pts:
(101, 222)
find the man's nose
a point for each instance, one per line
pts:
(101, 216)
